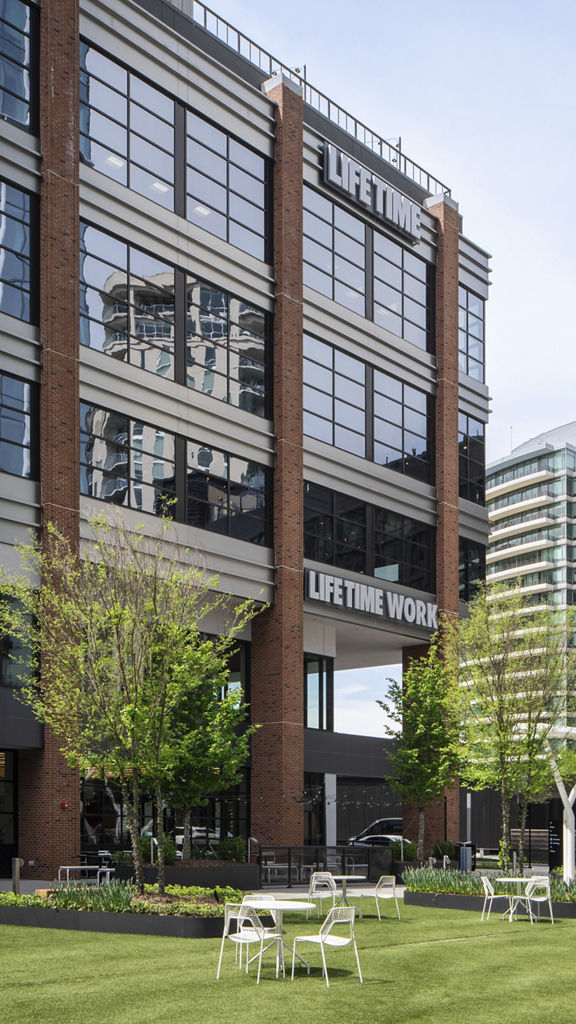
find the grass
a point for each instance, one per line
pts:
(433, 965)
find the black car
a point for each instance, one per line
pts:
(384, 828)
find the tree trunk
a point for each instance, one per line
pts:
(132, 804)
(420, 846)
(504, 857)
(160, 838)
(186, 844)
(522, 815)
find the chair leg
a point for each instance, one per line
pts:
(378, 908)
(293, 958)
(397, 908)
(358, 962)
(220, 959)
(324, 962)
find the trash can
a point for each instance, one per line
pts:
(467, 856)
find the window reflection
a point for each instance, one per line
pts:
(18, 35)
(126, 127)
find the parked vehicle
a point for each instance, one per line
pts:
(380, 827)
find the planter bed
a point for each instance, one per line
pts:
(239, 876)
(105, 921)
(461, 901)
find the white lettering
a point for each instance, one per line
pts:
(395, 604)
(313, 592)
(337, 591)
(420, 613)
(432, 616)
(367, 189)
(409, 609)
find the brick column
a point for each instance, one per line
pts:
(49, 831)
(277, 694)
(442, 819)
(445, 211)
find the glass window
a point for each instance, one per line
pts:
(18, 427)
(227, 191)
(128, 310)
(402, 292)
(17, 216)
(472, 457)
(318, 692)
(337, 266)
(134, 142)
(126, 462)
(226, 494)
(342, 531)
(18, 62)
(471, 333)
(334, 397)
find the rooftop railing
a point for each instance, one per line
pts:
(269, 66)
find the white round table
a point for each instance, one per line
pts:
(279, 906)
(345, 879)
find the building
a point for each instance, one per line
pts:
(530, 511)
(217, 285)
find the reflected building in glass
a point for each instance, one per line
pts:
(233, 304)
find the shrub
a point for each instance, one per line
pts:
(232, 849)
(169, 850)
(408, 853)
(115, 896)
(444, 848)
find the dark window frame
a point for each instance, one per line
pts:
(371, 278)
(33, 448)
(325, 692)
(178, 320)
(321, 543)
(30, 68)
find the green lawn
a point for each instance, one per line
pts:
(432, 967)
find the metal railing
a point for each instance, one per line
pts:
(292, 865)
(269, 65)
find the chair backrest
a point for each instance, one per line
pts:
(321, 880)
(488, 887)
(538, 888)
(257, 898)
(242, 914)
(386, 883)
(336, 916)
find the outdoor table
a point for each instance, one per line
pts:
(519, 881)
(345, 879)
(279, 906)
(96, 869)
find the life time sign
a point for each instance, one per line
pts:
(367, 190)
(361, 597)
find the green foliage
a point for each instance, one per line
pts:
(440, 880)
(232, 849)
(169, 849)
(405, 851)
(11, 899)
(512, 659)
(134, 689)
(444, 848)
(426, 759)
(114, 896)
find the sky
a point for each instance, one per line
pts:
(483, 95)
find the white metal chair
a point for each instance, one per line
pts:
(537, 893)
(321, 887)
(250, 931)
(325, 937)
(490, 895)
(386, 890)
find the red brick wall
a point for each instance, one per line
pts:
(447, 223)
(277, 777)
(48, 833)
(442, 819)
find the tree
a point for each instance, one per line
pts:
(124, 677)
(426, 759)
(513, 659)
